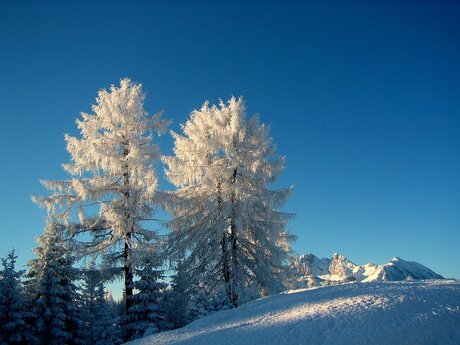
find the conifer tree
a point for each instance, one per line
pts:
(225, 216)
(177, 298)
(96, 315)
(112, 169)
(147, 315)
(51, 292)
(12, 304)
(88, 302)
(115, 312)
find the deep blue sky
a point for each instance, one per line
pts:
(363, 99)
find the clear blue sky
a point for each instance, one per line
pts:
(363, 99)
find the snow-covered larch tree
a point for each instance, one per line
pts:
(112, 169)
(226, 219)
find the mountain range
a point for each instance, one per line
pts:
(313, 271)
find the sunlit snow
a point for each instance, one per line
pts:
(414, 312)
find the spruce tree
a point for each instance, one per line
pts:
(177, 298)
(51, 292)
(147, 313)
(226, 218)
(88, 302)
(12, 303)
(98, 323)
(115, 312)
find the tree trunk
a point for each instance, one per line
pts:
(232, 237)
(223, 242)
(128, 281)
(128, 273)
(127, 252)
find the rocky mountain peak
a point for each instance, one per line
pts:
(314, 271)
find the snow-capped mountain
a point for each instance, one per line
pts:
(382, 313)
(314, 271)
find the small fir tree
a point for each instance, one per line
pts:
(177, 298)
(147, 314)
(97, 319)
(115, 312)
(12, 304)
(51, 292)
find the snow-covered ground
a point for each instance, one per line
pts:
(409, 312)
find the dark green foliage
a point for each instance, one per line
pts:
(51, 292)
(12, 306)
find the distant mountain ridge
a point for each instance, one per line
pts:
(313, 271)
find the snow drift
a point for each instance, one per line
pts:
(410, 312)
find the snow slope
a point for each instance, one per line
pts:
(313, 271)
(409, 312)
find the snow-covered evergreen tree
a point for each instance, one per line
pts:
(115, 311)
(147, 315)
(225, 216)
(186, 302)
(12, 304)
(204, 301)
(112, 169)
(177, 298)
(88, 302)
(98, 322)
(51, 292)
(110, 331)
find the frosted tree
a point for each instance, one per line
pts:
(95, 309)
(113, 185)
(147, 314)
(50, 289)
(226, 219)
(12, 304)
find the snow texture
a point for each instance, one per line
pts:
(410, 312)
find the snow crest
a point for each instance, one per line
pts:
(410, 312)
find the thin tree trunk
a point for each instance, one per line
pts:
(127, 252)
(128, 281)
(232, 237)
(128, 273)
(223, 242)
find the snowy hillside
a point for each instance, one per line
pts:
(410, 312)
(316, 272)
